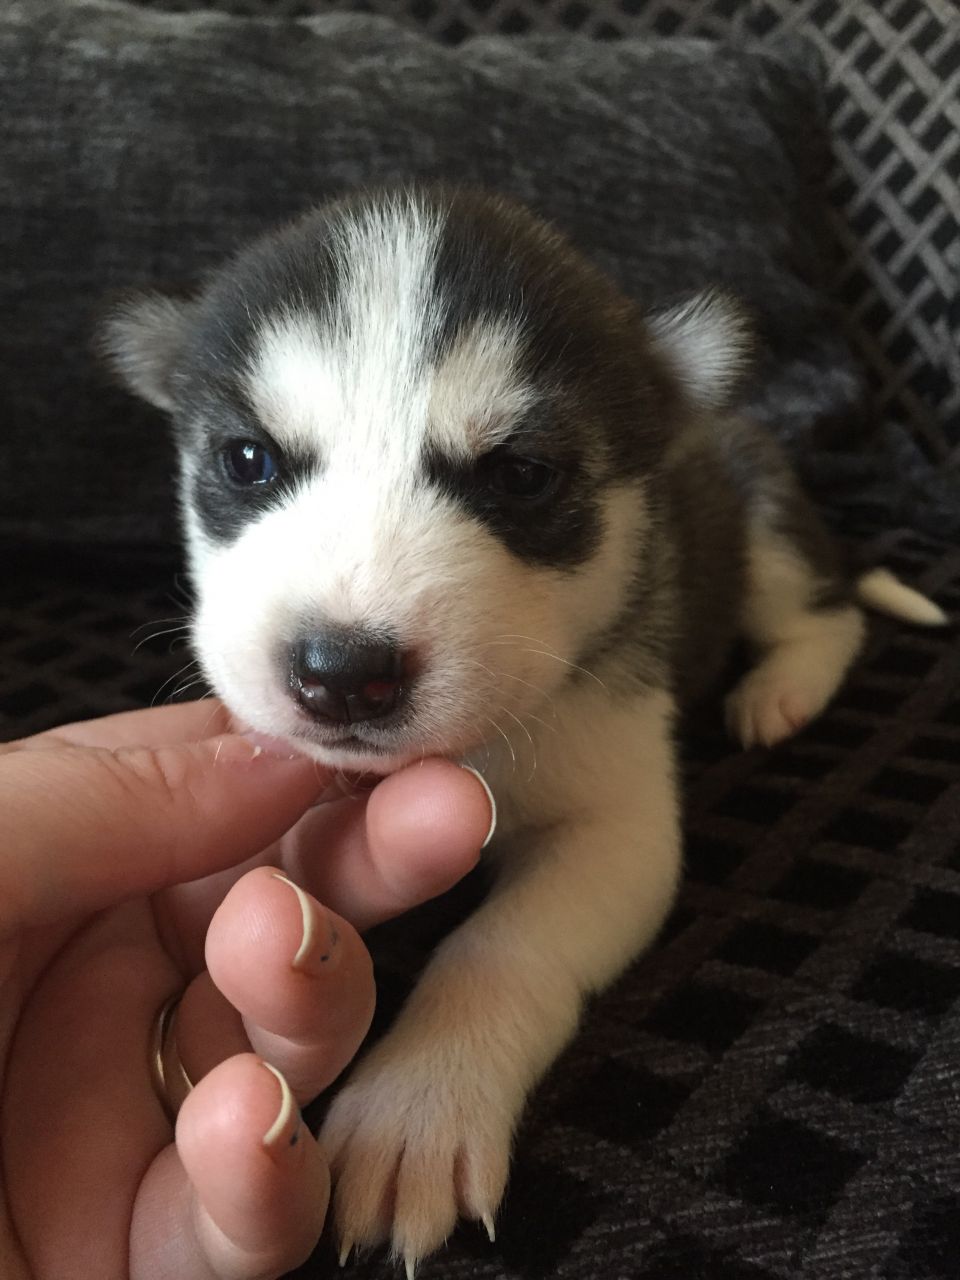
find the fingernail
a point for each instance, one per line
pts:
(493, 804)
(285, 1130)
(319, 948)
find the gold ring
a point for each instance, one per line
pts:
(170, 1080)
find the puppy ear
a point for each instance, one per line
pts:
(707, 340)
(140, 339)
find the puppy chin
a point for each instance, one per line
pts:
(359, 759)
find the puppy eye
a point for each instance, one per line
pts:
(523, 479)
(249, 463)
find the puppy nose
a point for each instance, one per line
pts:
(344, 678)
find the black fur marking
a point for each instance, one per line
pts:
(561, 530)
(298, 266)
(223, 506)
(605, 404)
(584, 346)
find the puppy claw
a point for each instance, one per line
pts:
(345, 1251)
(421, 1143)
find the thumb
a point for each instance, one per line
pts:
(85, 827)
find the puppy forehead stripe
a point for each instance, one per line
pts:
(292, 383)
(355, 368)
(366, 368)
(387, 308)
(477, 391)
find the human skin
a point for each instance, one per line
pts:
(139, 860)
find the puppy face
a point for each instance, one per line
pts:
(419, 440)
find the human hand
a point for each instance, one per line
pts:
(139, 860)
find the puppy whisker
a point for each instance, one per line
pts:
(546, 652)
(533, 745)
(574, 666)
(183, 594)
(206, 723)
(547, 697)
(513, 754)
(183, 618)
(187, 666)
(178, 631)
(551, 728)
(191, 684)
(507, 675)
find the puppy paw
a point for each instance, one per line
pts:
(766, 707)
(414, 1142)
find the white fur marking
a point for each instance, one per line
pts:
(477, 394)
(707, 341)
(806, 654)
(356, 383)
(881, 590)
(422, 1130)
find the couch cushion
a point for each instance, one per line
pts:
(141, 146)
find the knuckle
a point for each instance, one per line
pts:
(144, 773)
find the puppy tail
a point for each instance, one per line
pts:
(880, 590)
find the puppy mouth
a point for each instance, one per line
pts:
(352, 742)
(356, 764)
(296, 742)
(350, 747)
(378, 736)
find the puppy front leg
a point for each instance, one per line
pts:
(422, 1130)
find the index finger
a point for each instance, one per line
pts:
(145, 727)
(86, 828)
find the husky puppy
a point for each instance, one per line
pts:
(446, 491)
